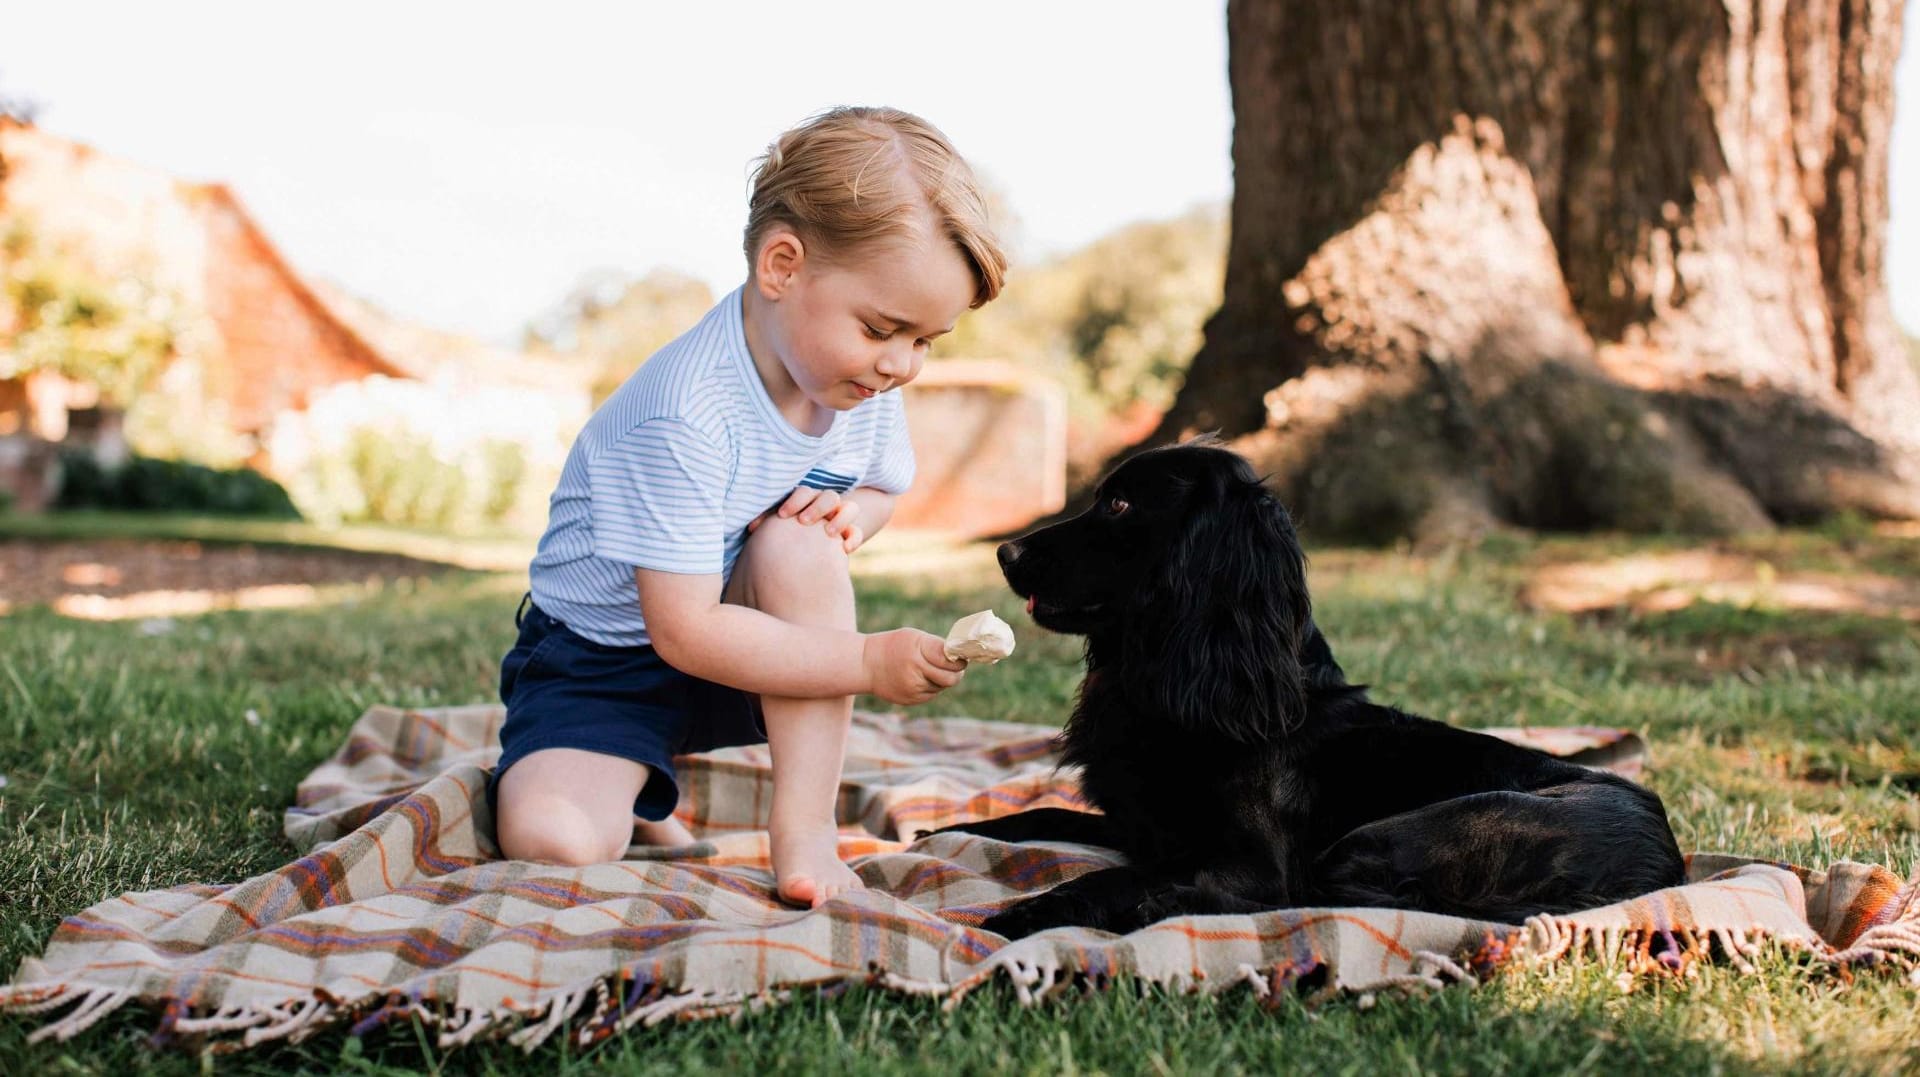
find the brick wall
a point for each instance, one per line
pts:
(279, 343)
(990, 440)
(257, 325)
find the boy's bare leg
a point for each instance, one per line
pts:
(798, 573)
(667, 832)
(568, 806)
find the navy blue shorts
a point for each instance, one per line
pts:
(563, 690)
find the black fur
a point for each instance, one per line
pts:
(1238, 771)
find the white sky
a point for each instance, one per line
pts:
(464, 164)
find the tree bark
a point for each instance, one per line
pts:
(1563, 263)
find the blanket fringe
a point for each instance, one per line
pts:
(689, 1004)
(1897, 941)
(622, 1001)
(41, 1002)
(94, 1004)
(303, 1017)
(225, 1019)
(559, 1011)
(1677, 951)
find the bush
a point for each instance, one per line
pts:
(447, 457)
(1118, 320)
(144, 484)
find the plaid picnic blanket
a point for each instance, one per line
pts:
(399, 905)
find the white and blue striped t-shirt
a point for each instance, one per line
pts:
(669, 471)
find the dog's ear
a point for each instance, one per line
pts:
(1217, 640)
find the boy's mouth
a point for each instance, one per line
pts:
(863, 392)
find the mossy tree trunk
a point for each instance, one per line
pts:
(1563, 263)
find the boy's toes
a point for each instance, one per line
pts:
(800, 890)
(833, 888)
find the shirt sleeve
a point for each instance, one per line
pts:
(892, 467)
(658, 497)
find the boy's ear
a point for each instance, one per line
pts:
(781, 255)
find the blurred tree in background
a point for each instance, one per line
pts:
(115, 333)
(1562, 263)
(616, 322)
(1117, 320)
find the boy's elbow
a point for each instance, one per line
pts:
(668, 642)
(676, 639)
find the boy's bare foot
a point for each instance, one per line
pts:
(807, 869)
(667, 832)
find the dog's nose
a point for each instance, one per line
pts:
(1009, 552)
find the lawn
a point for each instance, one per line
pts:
(145, 754)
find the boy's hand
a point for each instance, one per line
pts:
(908, 666)
(813, 506)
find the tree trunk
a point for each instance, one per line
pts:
(1563, 263)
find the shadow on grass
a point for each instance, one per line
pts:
(1569, 1019)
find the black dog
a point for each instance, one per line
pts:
(1238, 771)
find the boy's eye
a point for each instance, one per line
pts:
(877, 334)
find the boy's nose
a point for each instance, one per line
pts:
(897, 364)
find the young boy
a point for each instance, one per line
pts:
(691, 590)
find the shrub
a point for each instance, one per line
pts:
(1118, 320)
(144, 484)
(428, 455)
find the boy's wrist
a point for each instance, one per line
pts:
(876, 508)
(869, 642)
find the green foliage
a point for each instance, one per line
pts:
(181, 416)
(616, 323)
(143, 484)
(114, 332)
(402, 480)
(391, 451)
(1120, 319)
(397, 478)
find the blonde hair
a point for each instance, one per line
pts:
(850, 176)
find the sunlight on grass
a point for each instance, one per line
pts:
(131, 763)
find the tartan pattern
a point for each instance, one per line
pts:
(398, 904)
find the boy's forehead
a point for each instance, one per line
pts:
(919, 284)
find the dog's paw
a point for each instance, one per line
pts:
(1019, 920)
(1007, 828)
(957, 828)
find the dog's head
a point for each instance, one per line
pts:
(1188, 581)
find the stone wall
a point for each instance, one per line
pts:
(990, 440)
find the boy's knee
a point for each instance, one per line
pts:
(556, 832)
(567, 850)
(790, 550)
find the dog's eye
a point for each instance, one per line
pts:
(1116, 506)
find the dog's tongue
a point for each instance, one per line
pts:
(1031, 599)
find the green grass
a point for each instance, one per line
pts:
(131, 764)
(497, 549)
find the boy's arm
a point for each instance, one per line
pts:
(876, 508)
(697, 633)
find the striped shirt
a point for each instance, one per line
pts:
(669, 471)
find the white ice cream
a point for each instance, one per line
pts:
(980, 637)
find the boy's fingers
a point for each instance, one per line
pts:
(951, 665)
(799, 499)
(821, 505)
(852, 537)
